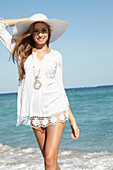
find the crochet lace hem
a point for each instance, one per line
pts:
(36, 121)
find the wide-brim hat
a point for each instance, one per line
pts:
(57, 26)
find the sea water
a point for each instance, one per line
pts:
(93, 110)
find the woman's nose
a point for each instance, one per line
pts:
(40, 34)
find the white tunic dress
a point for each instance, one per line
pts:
(49, 104)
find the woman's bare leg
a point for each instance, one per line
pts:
(53, 139)
(49, 141)
(40, 135)
(41, 139)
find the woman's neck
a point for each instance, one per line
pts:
(40, 46)
(44, 49)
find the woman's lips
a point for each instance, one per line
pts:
(40, 39)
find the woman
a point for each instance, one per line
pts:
(42, 101)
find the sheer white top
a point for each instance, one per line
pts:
(51, 98)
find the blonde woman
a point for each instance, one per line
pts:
(42, 100)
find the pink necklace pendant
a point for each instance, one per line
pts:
(37, 84)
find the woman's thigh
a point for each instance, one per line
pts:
(40, 135)
(53, 139)
(49, 139)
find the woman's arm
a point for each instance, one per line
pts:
(5, 37)
(59, 77)
(73, 124)
(59, 80)
(12, 22)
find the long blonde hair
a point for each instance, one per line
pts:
(23, 48)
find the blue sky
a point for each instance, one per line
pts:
(86, 46)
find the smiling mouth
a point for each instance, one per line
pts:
(40, 39)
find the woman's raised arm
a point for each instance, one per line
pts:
(5, 37)
(12, 22)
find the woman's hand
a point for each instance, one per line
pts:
(75, 130)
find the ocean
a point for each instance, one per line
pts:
(93, 111)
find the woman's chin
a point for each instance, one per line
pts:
(40, 42)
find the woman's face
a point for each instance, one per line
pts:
(40, 34)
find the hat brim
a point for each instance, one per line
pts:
(58, 27)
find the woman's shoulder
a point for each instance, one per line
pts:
(55, 52)
(56, 55)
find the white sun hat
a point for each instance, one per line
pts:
(58, 27)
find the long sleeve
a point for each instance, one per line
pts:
(19, 100)
(5, 37)
(59, 77)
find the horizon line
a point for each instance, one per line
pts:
(69, 88)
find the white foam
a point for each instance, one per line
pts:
(31, 158)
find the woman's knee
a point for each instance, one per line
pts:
(50, 160)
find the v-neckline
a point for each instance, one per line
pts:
(35, 54)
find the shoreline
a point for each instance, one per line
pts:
(31, 158)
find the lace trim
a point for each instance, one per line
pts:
(51, 120)
(36, 121)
